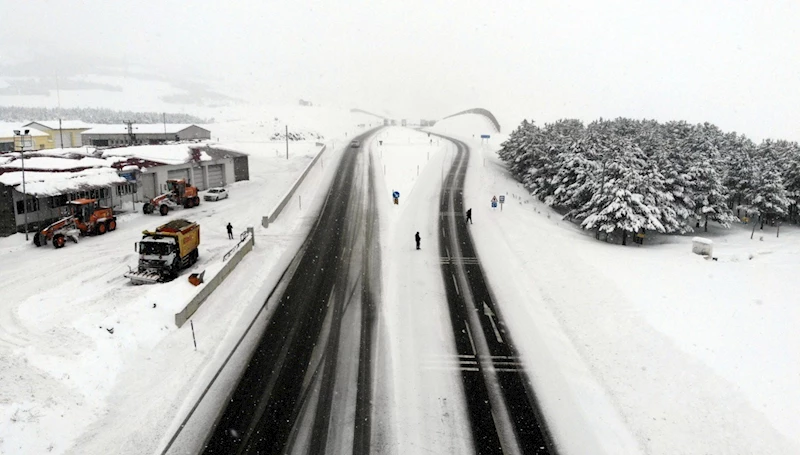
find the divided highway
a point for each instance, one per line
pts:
(504, 414)
(308, 386)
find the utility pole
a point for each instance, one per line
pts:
(61, 133)
(129, 124)
(58, 97)
(287, 142)
(164, 119)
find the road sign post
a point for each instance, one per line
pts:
(502, 200)
(494, 202)
(396, 197)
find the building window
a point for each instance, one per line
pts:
(32, 205)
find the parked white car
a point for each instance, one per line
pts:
(215, 194)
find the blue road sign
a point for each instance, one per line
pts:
(494, 204)
(395, 194)
(484, 136)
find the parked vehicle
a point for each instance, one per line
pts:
(86, 217)
(179, 194)
(215, 194)
(163, 253)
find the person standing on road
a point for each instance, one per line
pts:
(417, 238)
(230, 231)
(469, 215)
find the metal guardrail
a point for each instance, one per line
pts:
(242, 238)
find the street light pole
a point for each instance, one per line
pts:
(24, 191)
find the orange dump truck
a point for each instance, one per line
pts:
(163, 253)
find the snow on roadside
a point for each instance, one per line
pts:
(83, 353)
(644, 346)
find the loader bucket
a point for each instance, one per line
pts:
(143, 277)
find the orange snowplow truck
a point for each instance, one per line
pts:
(86, 218)
(179, 194)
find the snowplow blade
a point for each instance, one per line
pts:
(143, 277)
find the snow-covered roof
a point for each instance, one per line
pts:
(139, 128)
(65, 124)
(64, 152)
(55, 183)
(55, 164)
(163, 153)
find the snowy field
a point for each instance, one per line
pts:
(644, 349)
(83, 353)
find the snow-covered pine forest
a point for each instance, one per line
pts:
(628, 176)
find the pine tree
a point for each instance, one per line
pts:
(768, 195)
(708, 194)
(626, 201)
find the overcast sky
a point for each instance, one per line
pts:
(733, 63)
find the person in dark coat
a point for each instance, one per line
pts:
(417, 238)
(469, 215)
(230, 231)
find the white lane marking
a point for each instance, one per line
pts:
(443, 234)
(448, 252)
(455, 284)
(471, 342)
(488, 312)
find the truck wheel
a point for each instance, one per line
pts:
(188, 203)
(148, 208)
(100, 229)
(37, 239)
(196, 201)
(163, 210)
(112, 225)
(59, 241)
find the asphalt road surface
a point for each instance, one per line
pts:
(307, 386)
(503, 410)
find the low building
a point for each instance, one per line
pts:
(115, 176)
(49, 183)
(150, 166)
(9, 142)
(63, 134)
(142, 134)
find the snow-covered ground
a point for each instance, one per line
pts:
(650, 347)
(632, 349)
(83, 353)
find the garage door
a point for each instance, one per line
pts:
(216, 175)
(148, 183)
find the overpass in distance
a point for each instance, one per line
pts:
(478, 110)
